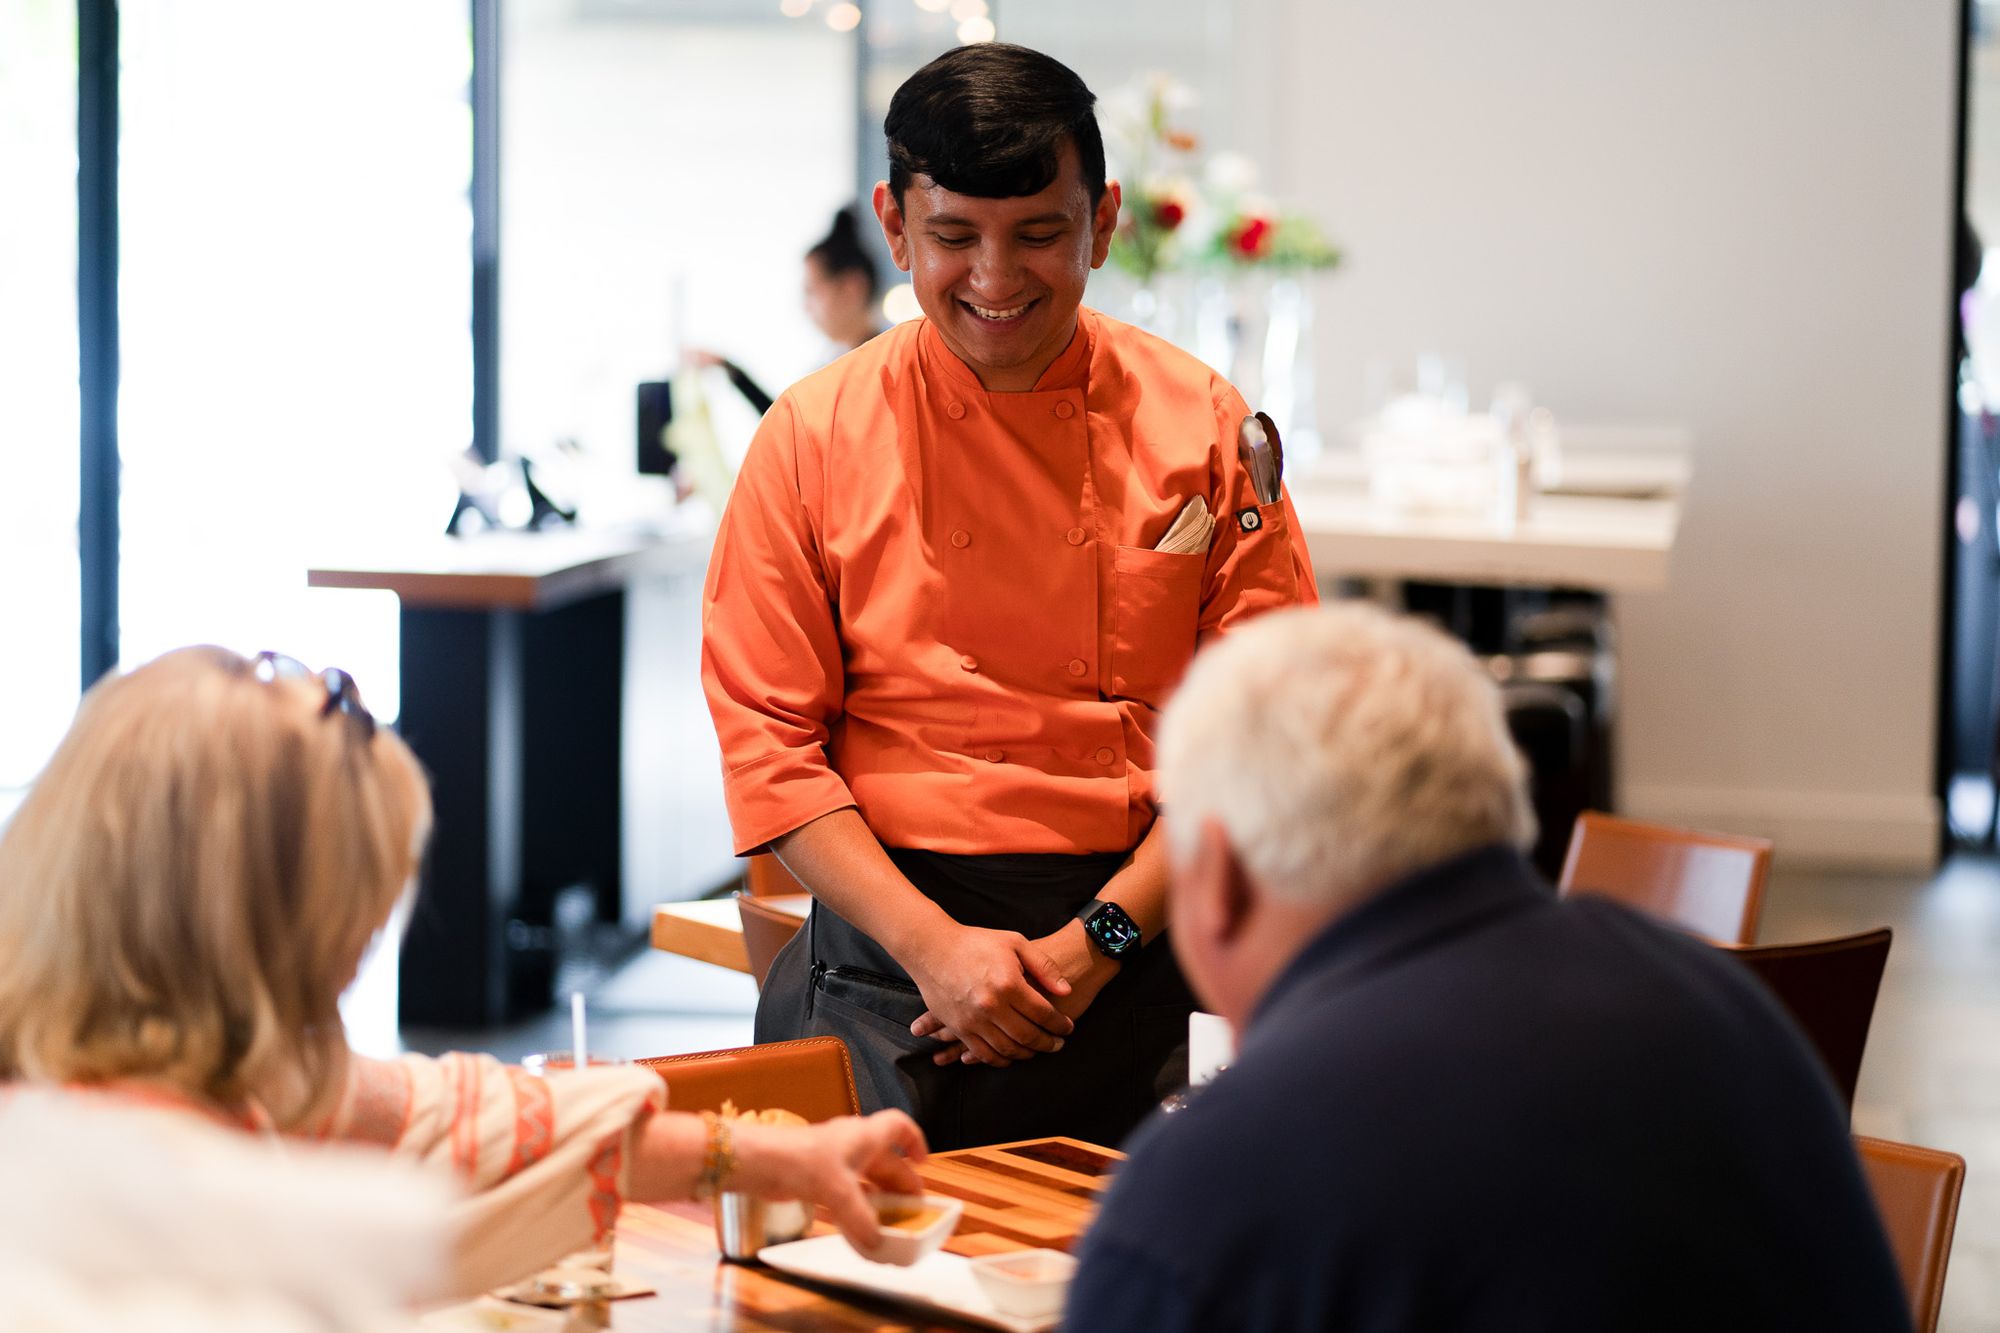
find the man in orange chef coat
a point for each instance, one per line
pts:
(961, 571)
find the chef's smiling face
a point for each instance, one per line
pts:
(1001, 279)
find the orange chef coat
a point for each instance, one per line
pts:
(943, 606)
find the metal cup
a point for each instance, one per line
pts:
(745, 1224)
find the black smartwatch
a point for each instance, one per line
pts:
(1114, 933)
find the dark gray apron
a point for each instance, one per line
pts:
(1128, 1050)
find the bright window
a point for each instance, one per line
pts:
(295, 307)
(38, 385)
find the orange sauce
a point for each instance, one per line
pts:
(910, 1219)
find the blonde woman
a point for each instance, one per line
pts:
(191, 884)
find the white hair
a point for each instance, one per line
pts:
(1341, 748)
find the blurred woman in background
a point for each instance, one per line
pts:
(843, 292)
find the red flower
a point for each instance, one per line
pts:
(1168, 214)
(1253, 238)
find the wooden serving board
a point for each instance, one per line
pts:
(1041, 1193)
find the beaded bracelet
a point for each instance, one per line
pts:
(718, 1162)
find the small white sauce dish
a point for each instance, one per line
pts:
(1026, 1283)
(901, 1244)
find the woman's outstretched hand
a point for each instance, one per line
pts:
(833, 1165)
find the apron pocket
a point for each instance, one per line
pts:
(872, 1014)
(888, 1003)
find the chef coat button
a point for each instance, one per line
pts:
(995, 756)
(1077, 667)
(1065, 410)
(956, 411)
(961, 539)
(1106, 755)
(1076, 536)
(969, 663)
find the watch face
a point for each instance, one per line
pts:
(1112, 931)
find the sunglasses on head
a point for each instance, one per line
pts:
(342, 695)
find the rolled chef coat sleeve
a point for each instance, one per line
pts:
(770, 652)
(1257, 561)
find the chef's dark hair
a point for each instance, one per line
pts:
(840, 251)
(989, 120)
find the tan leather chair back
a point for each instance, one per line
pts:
(765, 931)
(1709, 883)
(1916, 1191)
(1829, 987)
(812, 1077)
(765, 876)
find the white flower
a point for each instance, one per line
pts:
(1169, 92)
(1254, 205)
(1123, 109)
(1231, 174)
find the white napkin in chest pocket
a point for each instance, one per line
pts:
(1191, 530)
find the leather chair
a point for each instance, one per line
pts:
(1551, 728)
(1829, 987)
(765, 931)
(765, 876)
(812, 1077)
(1916, 1190)
(1709, 883)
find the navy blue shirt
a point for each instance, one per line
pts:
(1469, 1106)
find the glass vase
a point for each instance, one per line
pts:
(1285, 369)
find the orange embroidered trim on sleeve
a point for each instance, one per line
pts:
(534, 1119)
(605, 1197)
(463, 1073)
(378, 1103)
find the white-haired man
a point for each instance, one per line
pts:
(1457, 1103)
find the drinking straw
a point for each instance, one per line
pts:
(577, 1050)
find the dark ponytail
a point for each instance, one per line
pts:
(841, 252)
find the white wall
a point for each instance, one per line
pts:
(1111, 43)
(1732, 216)
(660, 182)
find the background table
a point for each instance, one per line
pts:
(1611, 528)
(1039, 1194)
(512, 658)
(711, 929)
(1604, 524)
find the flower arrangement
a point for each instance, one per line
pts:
(1154, 159)
(1180, 212)
(1257, 234)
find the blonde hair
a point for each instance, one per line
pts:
(192, 881)
(1341, 749)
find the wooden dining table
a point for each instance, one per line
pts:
(1037, 1194)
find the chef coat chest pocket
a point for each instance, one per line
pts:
(1156, 609)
